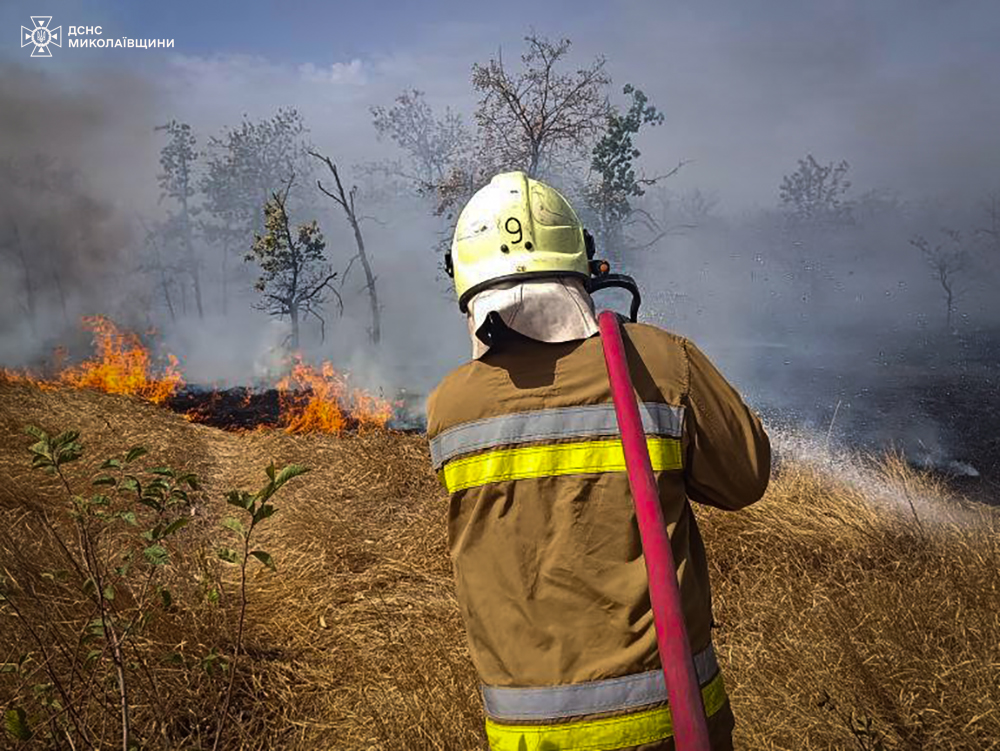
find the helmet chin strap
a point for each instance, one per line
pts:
(603, 280)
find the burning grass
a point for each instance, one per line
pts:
(122, 366)
(833, 595)
(309, 399)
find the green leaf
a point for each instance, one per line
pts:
(264, 558)
(166, 597)
(104, 480)
(164, 471)
(157, 555)
(152, 503)
(89, 587)
(227, 554)
(69, 453)
(99, 500)
(42, 447)
(191, 479)
(292, 470)
(263, 513)
(17, 724)
(213, 595)
(236, 498)
(175, 525)
(134, 453)
(265, 493)
(128, 517)
(132, 483)
(66, 438)
(158, 483)
(270, 471)
(38, 433)
(109, 592)
(111, 464)
(178, 495)
(234, 524)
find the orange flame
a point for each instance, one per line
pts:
(323, 402)
(25, 376)
(122, 366)
(311, 399)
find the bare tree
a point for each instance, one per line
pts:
(294, 272)
(432, 144)
(245, 166)
(539, 119)
(346, 202)
(947, 260)
(815, 194)
(991, 232)
(178, 182)
(154, 263)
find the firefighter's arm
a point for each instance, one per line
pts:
(728, 461)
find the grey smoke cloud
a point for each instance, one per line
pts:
(904, 91)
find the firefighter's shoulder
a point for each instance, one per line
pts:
(447, 397)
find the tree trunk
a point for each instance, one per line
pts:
(376, 332)
(294, 313)
(346, 202)
(191, 260)
(164, 283)
(166, 295)
(225, 277)
(196, 279)
(945, 283)
(60, 290)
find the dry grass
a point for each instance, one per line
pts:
(829, 584)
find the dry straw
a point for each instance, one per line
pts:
(857, 605)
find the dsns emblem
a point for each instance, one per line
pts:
(41, 36)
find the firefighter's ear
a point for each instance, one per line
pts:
(588, 241)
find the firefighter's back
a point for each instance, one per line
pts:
(543, 536)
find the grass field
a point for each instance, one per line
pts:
(858, 604)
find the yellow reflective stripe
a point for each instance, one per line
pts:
(590, 735)
(552, 460)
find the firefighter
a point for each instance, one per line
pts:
(542, 533)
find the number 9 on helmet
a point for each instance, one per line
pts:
(513, 229)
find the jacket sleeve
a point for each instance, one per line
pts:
(728, 462)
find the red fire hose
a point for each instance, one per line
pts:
(683, 692)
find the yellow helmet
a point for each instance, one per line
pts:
(515, 228)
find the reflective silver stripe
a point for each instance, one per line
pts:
(548, 424)
(552, 702)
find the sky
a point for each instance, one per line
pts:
(904, 90)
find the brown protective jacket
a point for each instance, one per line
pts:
(549, 569)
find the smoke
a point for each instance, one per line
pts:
(64, 240)
(807, 323)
